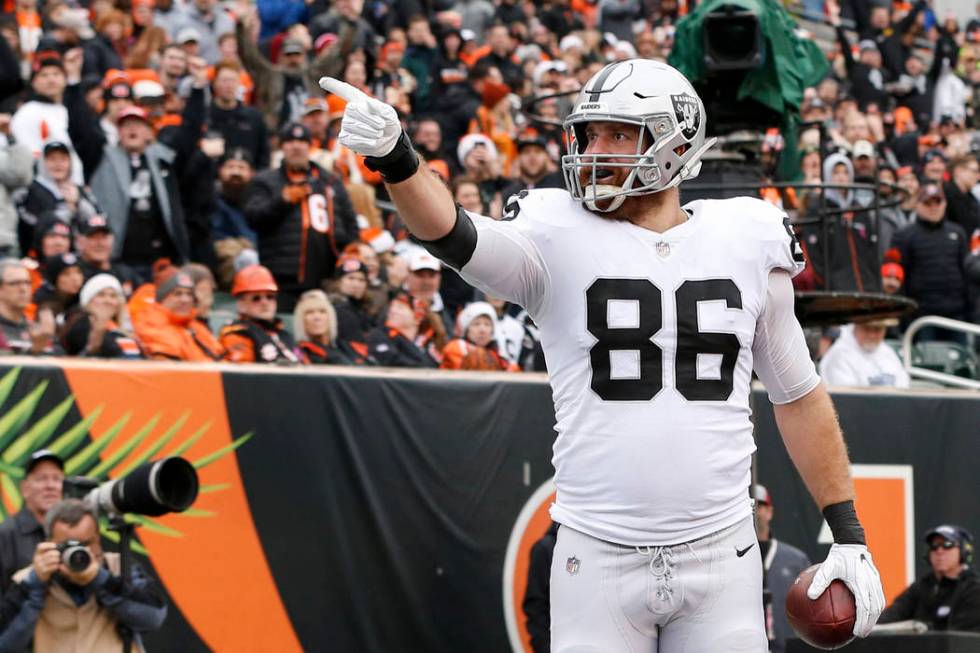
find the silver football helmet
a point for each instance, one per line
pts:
(671, 117)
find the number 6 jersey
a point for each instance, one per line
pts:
(649, 340)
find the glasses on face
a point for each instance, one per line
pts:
(18, 283)
(269, 297)
(945, 544)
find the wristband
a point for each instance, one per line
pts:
(399, 164)
(843, 522)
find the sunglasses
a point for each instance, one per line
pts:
(933, 202)
(946, 544)
(269, 297)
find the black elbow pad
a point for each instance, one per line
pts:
(456, 247)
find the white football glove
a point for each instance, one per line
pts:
(852, 564)
(369, 127)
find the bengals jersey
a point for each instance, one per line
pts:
(649, 340)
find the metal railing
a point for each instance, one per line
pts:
(932, 375)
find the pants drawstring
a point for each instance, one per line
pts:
(661, 566)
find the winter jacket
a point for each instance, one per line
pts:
(60, 617)
(175, 337)
(270, 79)
(391, 348)
(242, 127)
(781, 563)
(847, 363)
(343, 353)
(108, 168)
(16, 162)
(537, 598)
(943, 604)
(933, 256)
(962, 208)
(44, 197)
(353, 319)
(250, 340)
(300, 243)
(460, 354)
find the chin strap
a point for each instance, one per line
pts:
(688, 171)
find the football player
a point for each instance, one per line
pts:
(652, 316)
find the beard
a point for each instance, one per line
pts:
(233, 188)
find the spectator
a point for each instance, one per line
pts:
(860, 357)
(204, 287)
(963, 208)
(947, 597)
(281, 89)
(302, 217)
(515, 342)
(476, 16)
(20, 334)
(47, 600)
(168, 328)
(241, 126)
(404, 340)
(173, 64)
(867, 75)
(63, 280)
(616, 17)
(53, 190)
(934, 166)
(350, 300)
(534, 168)
(423, 284)
(96, 243)
(537, 598)
(43, 117)
(475, 347)
(15, 173)
(908, 181)
(102, 328)
(209, 21)
(315, 324)
(347, 14)
(316, 118)
(427, 138)
(422, 60)
(501, 55)
(257, 335)
(932, 251)
(478, 156)
(20, 533)
(781, 564)
(51, 238)
(865, 172)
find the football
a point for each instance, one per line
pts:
(827, 622)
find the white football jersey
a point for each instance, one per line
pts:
(648, 339)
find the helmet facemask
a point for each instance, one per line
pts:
(656, 165)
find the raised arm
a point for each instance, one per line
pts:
(372, 128)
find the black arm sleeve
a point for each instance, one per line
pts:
(456, 247)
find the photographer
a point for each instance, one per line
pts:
(83, 608)
(21, 533)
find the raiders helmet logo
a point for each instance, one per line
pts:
(688, 116)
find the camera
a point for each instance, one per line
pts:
(75, 555)
(153, 489)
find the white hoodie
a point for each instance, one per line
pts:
(847, 363)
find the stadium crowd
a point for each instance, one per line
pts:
(157, 155)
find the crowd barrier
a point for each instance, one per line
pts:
(376, 510)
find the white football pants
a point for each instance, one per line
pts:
(698, 597)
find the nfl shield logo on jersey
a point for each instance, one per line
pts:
(686, 111)
(663, 249)
(571, 566)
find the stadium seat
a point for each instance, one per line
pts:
(946, 357)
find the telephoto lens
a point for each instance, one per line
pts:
(75, 555)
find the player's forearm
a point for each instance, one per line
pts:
(424, 204)
(813, 439)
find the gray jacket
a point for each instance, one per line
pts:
(782, 567)
(110, 185)
(16, 167)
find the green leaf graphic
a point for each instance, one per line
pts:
(189, 442)
(151, 525)
(154, 448)
(211, 457)
(217, 487)
(11, 490)
(7, 383)
(22, 447)
(80, 462)
(70, 439)
(16, 417)
(101, 471)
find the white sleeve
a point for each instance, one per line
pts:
(780, 355)
(506, 263)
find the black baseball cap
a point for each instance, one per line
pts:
(295, 131)
(946, 531)
(40, 456)
(530, 140)
(236, 154)
(94, 223)
(55, 265)
(52, 146)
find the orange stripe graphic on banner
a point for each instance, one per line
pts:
(217, 572)
(881, 505)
